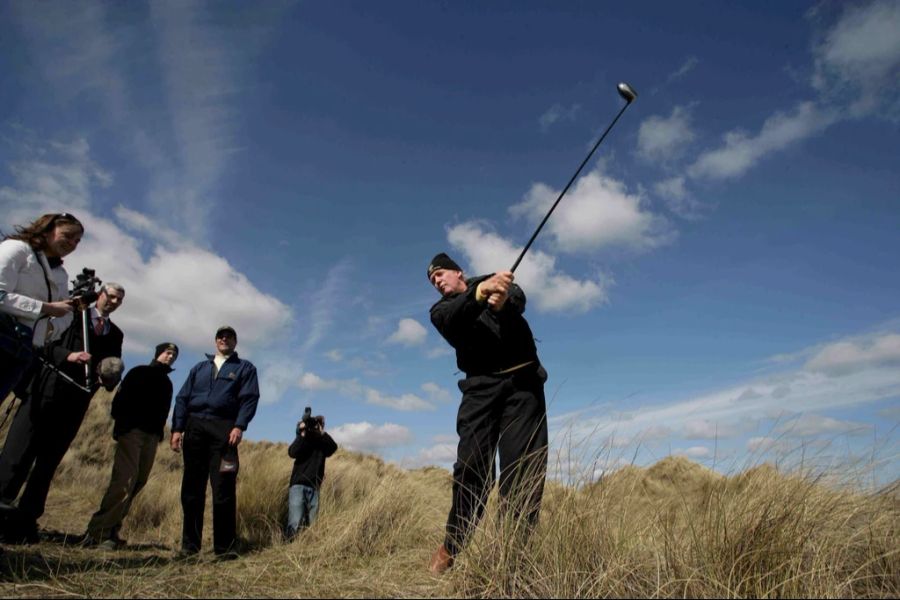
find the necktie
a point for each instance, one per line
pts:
(99, 324)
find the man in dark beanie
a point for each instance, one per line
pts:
(140, 410)
(502, 407)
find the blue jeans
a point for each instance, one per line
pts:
(303, 506)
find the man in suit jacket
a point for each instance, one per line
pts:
(48, 420)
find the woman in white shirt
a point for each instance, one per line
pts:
(34, 291)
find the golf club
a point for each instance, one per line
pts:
(627, 92)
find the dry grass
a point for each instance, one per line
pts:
(672, 530)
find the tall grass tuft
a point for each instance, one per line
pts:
(674, 529)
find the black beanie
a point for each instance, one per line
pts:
(163, 347)
(442, 261)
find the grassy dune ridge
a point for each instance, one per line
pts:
(674, 529)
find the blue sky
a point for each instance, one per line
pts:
(720, 283)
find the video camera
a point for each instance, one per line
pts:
(86, 287)
(312, 423)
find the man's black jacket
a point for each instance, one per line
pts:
(144, 400)
(51, 385)
(309, 453)
(486, 342)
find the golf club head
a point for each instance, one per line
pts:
(627, 92)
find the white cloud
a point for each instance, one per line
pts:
(556, 113)
(739, 407)
(312, 382)
(353, 389)
(686, 67)
(597, 212)
(174, 292)
(180, 291)
(366, 437)
(544, 286)
(436, 393)
(275, 378)
(661, 139)
(334, 355)
(849, 356)
(696, 452)
(439, 351)
(704, 429)
(442, 454)
(810, 425)
(53, 177)
(678, 199)
(405, 402)
(741, 151)
(409, 332)
(859, 58)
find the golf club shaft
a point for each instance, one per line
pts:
(566, 189)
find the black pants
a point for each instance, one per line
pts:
(40, 434)
(509, 414)
(205, 444)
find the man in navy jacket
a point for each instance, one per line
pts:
(212, 411)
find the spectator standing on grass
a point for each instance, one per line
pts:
(139, 410)
(212, 411)
(309, 450)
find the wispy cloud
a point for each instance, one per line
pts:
(856, 73)
(867, 375)
(741, 151)
(686, 67)
(189, 138)
(322, 309)
(352, 388)
(557, 113)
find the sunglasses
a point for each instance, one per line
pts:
(70, 218)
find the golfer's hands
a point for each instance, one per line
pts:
(496, 289)
(176, 441)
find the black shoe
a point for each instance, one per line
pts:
(187, 553)
(22, 531)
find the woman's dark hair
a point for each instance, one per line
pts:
(33, 234)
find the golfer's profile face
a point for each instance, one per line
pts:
(447, 281)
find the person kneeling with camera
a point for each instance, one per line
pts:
(309, 451)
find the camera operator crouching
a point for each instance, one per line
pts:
(309, 451)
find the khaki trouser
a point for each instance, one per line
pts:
(135, 452)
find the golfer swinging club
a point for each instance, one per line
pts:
(502, 405)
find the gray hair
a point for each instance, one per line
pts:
(110, 285)
(110, 370)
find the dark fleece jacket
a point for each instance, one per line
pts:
(309, 453)
(143, 400)
(486, 342)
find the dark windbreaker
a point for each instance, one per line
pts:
(486, 342)
(309, 453)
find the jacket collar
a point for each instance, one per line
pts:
(234, 356)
